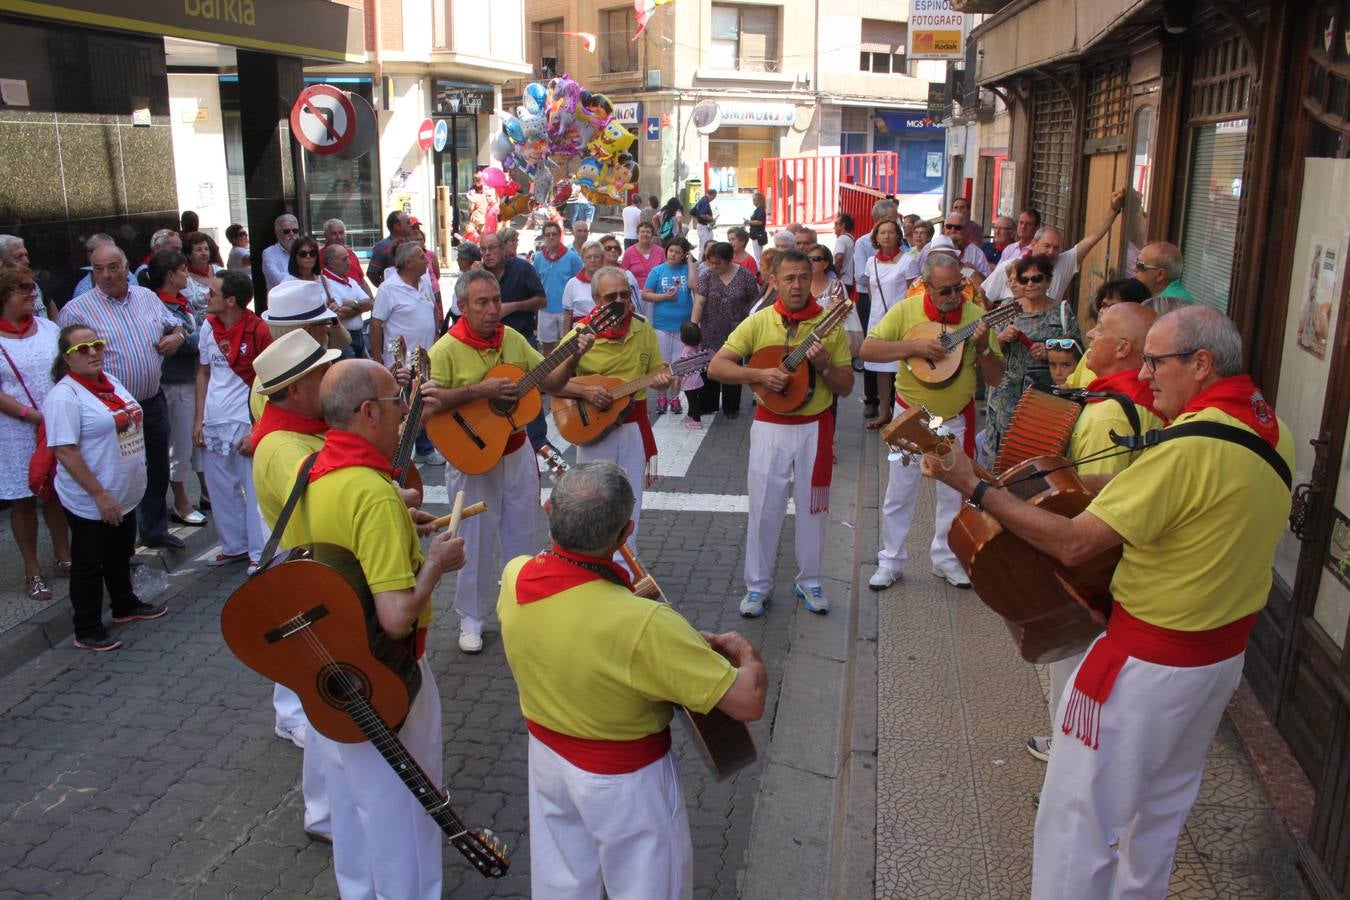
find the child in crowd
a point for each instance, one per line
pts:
(692, 337)
(1062, 354)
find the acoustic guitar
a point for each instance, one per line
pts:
(408, 476)
(801, 376)
(954, 342)
(726, 743)
(580, 422)
(1051, 610)
(308, 621)
(473, 435)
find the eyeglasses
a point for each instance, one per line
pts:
(26, 287)
(946, 291)
(1030, 279)
(290, 231)
(1063, 344)
(396, 398)
(614, 296)
(308, 254)
(1151, 362)
(87, 346)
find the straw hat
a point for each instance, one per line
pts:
(296, 302)
(288, 359)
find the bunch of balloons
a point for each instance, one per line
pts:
(562, 139)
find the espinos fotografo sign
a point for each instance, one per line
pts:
(936, 31)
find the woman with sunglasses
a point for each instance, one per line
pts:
(1025, 355)
(94, 426)
(28, 346)
(886, 287)
(613, 254)
(304, 263)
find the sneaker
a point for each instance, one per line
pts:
(98, 641)
(953, 576)
(883, 578)
(295, 735)
(431, 458)
(814, 599)
(141, 610)
(753, 603)
(1039, 747)
(224, 559)
(252, 569)
(470, 642)
(661, 404)
(692, 424)
(676, 407)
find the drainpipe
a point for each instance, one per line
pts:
(377, 68)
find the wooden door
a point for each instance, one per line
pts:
(1106, 173)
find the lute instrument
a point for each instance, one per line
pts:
(408, 476)
(954, 342)
(1051, 610)
(473, 435)
(792, 360)
(308, 621)
(580, 422)
(726, 743)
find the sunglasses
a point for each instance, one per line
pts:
(1145, 267)
(1030, 279)
(946, 291)
(614, 296)
(948, 226)
(308, 254)
(87, 346)
(25, 287)
(1063, 344)
(290, 231)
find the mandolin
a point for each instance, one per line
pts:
(1051, 610)
(954, 342)
(792, 360)
(473, 435)
(408, 476)
(584, 423)
(726, 743)
(308, 621)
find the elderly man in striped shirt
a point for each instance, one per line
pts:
(140, 332)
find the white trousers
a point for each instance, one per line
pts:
(385, 846)
(184, 458)
(511, 491)
(705, 234)
(781, 459)
(623, 445)
(625, 835)
(290, 715)
(897, 512)
(234, 506)
(1109, 818)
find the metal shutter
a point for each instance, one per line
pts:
(1051, 176)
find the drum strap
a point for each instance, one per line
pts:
(1216, 430)
(301, 482)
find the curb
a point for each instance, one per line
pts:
(51, 626)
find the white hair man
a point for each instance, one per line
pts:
(335, 234)
(405, 307)
(349, 293)
(276, 259)
(1049, 241)
(13, 251)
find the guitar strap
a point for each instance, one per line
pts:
(301, 482)
(1218, 431)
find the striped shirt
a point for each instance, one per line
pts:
(132, 327)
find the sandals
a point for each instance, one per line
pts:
(61, 568)
(38, 590)
(880, 422)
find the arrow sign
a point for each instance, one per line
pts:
(442, 136)
(653, 128)
(323, 119)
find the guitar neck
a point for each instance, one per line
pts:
(993, 319)
(638, 384)
(832, 320)
(412, 425)
(533, 378)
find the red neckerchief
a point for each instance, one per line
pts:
(809, 311)
(930, 309)
(999, 248)
(1126, 383)
(466, 335)
(562, 251)
(240, 343)
(202, 273)
(887, 257)
(19, 330)
(274, 418)
(555, 570)
(583, 277)
(615, 333)
(1239, 397)
(101, 388)
(345, 449)
(174, 300)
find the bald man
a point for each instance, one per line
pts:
(1159, 267)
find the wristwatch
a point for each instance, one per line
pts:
(977, 495)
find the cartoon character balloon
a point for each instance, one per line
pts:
(535, 99)
(499, 147)
(611, 140)
(563, 94)
(587, 173)
(511, 126)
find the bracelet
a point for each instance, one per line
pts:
(977, 495)
(23, 413)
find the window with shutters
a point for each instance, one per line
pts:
(618, 52)
(548, 59)
(744, 38)
(882, 48)
(1051, 176)
(1108, 108)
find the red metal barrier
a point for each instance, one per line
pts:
(858, 201)
(806, 189)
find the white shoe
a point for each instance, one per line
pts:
(296, 735)
(952, 575)
(883, 578)
(1039, 747)
(470, 642)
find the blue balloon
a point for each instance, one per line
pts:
(535, 97)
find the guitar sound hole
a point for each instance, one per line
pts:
(340, 683)
(502, 407)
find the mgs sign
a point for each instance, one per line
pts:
(936, 31)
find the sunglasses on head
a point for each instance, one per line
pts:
(87, 346)
(1030, 279)
(1063, 344)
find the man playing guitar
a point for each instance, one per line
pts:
(459, 362)
(941, 300)
(793, 447)
(1199, 517)
(598, 670)
(384, 844)
(627, 351)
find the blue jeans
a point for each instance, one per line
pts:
(583, 212)
(357, 349)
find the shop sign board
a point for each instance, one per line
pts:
(936, 30)
(628, 113)
(775, 114)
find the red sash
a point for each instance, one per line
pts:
(1126, 637)
(637, 412)
(19, 330)
(930, 309)
(101, 388)
(618, 332)
(345, 449)
(174, 300)
(274, 418)
(809, 311)
(823, 468)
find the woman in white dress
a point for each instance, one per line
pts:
(886, 282)
(27, 348)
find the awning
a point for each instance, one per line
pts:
(1030, 33)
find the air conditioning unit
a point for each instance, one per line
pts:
(653, 78)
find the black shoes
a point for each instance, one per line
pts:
(141, 610)
(98, 641)
(167, 541)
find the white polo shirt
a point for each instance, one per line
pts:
(346, 291)
(407, 312)
(996, 285)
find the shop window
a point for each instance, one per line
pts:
(744, 38)
(734, 155)
(882, 47)
(548, 56)
(1213, 198)
(618, 51)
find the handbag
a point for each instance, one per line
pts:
(42, 464)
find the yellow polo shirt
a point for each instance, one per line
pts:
(766, 329)
(454, 364)
(636, 354)
(945, 400)
(1081, 376)
(596, 661)
(275, 464)
(1092, 434)
(1201, 519)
